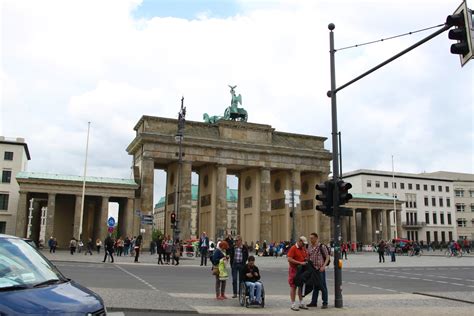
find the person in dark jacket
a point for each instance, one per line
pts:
(204, 248)
(138, 245)
(381, 251)
(251, 277)
(109, 248)
(238, 254)
(160, 250)
(90, 246)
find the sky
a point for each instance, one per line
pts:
(65, 63)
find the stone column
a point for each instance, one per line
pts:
(22, 215)
(221, 202)
(265, 205)
(389, 225)
(375, 225)
(296, 183)
(50, 215)
(384, 225)
(184, 216)
(354, 226)
(77, 217)
(399, 223)
(368, 213)
(147, 174)
(104, 212)
(239, 204)
(128, 218)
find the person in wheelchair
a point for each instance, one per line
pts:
(251, 277)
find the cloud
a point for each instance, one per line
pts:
(69, 62)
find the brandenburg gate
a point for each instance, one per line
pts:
(266, 163)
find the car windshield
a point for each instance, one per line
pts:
(22, 266)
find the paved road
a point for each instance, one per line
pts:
(369, 287)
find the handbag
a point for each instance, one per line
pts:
(215, 270)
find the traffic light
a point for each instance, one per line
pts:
(173, 218)
(343, 190)
(326, 197)
(345, 211)
(462, 20)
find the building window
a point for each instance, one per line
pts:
(6, 176)
(441, 218)
(3, 201)
(459, 192)
(425, 187)
(461, 222)
(432, 187)
(435, 236)
(433, 201)
(385, 184)
(427, 217)
(441, 202)
(449, 218)
(450, 236)
(410, 186)
(459, 207)
(440, 188)
(8, 155)
(402, 186)
(471, 193)
(435, 219)
(443, 236)
(417, 186)
(447, 189)
(448, 202)
(472, 207)
(426, 201)
(394, 185)
(428, 237)
(377, 184)
(369, 183)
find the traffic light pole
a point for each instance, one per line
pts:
(335, 174)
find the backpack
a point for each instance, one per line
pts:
(322, 253)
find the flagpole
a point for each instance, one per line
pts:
(394, 201)
(84, 182)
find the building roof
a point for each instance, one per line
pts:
(423, 176)
(455, 176)
(63, 177)
(16, 141)
(232, 196)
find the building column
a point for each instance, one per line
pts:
(384, 225)
(50, 216)
(184, 216)
(22, 215)
(221, 202)
(399, 224)
(104, 212)
(344, 228)
(265, 205)
(77, 217)
(368, 237)
(353, 220)
(147, 174)
(296, 183)
(389, 225)
(128, 218)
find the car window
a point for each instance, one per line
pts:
(22, 265)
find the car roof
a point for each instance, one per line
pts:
(8, 236)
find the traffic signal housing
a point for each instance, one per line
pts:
(173, 218)
(343, 191)
(462, 20)
(326, 197)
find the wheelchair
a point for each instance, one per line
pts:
(244, 296)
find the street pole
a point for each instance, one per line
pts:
(335, 169)
(84, 184)
(293, 224)
(394, 202)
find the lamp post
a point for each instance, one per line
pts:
(179, 139)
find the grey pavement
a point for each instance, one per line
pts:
(369, 288)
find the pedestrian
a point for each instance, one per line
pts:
(89, 247)
(391, 248)
(50, 244)
(109, 248)
(238, 258)
(297, 255)
(138, 245)
(381, 251)
(344, 248)
(251, 277)
(203, 248)
(168, 249)
(159, 249)
(126, 246)
(73, 245)
(98, 244)
(177, 251)
(152, 247)
(80, 245)
(220, 262)
(319, 256)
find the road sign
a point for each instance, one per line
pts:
(147, 219)
(110, 229)
(111, 222)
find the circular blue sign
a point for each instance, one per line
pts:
(111, 222)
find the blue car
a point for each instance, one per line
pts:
(31, 285)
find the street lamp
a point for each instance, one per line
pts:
(179, 139)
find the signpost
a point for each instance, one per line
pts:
(111, 221)
(147, 219)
